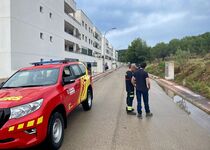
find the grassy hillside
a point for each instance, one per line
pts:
(195, 75)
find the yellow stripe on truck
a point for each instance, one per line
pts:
(11, 128)
(30, 123)
(40, 120)
(20, 126)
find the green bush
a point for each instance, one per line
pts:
(157, 69)
(195, 74)
(199, 87)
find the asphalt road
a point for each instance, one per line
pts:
(108, 127)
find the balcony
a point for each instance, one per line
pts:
(70, 29)
(96, 54)
(97, 36)
(71, 4)
(96, 45)
(69, 11)
(71, 47)
(70, 15)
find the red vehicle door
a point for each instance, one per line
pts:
(70, 88)
(78, 88)
(85, 82)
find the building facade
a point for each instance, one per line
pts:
(31, 30)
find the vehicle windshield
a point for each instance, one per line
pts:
(33, 78)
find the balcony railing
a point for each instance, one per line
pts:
(72, 4)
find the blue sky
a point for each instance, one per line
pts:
(152, 20)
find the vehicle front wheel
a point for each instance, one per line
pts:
(55, 131)
(87, 104)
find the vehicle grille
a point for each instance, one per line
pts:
(7, 140)
(4, 116)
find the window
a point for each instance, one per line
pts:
(76, 70)
(89, 41)
(94, 64)
(90, 52)
(50, 15)
(41, 36)
(33, 78)
(71, 48)
(86, 26)
(83, 69)
(41, 9)
(84, 51)
(51, 39)
(83, 36)
(83, 23)
(67, 74)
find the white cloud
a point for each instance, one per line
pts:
(123, 32)
(161, 19)
(152, 20)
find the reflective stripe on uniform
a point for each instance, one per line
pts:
(129, 108)
(131, 95)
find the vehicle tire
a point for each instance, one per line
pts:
(87, 104)
(55, 133)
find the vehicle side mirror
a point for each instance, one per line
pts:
(68, 80)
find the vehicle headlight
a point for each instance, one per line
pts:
(26, 109)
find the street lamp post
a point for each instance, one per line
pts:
(104, 46)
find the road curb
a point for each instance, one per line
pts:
(101, 75)
(195, 99)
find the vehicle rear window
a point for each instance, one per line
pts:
(76, 70)
(83, 69)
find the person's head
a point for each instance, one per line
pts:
(143, 65)
(133, 67)
(138, 66)
(129, 66)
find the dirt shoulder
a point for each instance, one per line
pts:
(195, 75)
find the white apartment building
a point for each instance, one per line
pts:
(31, 30)
(90, 36)
(108, 52)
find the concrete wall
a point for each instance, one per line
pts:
(28, 23)
(5, 38)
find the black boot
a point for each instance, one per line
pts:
(149, 114)
(131, 113)
(139, 116)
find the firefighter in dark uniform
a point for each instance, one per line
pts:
(130, 89)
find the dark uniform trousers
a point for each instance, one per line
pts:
(130, 90)
(130, 97)
(145, 95)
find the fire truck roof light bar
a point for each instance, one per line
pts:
(54, 62)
